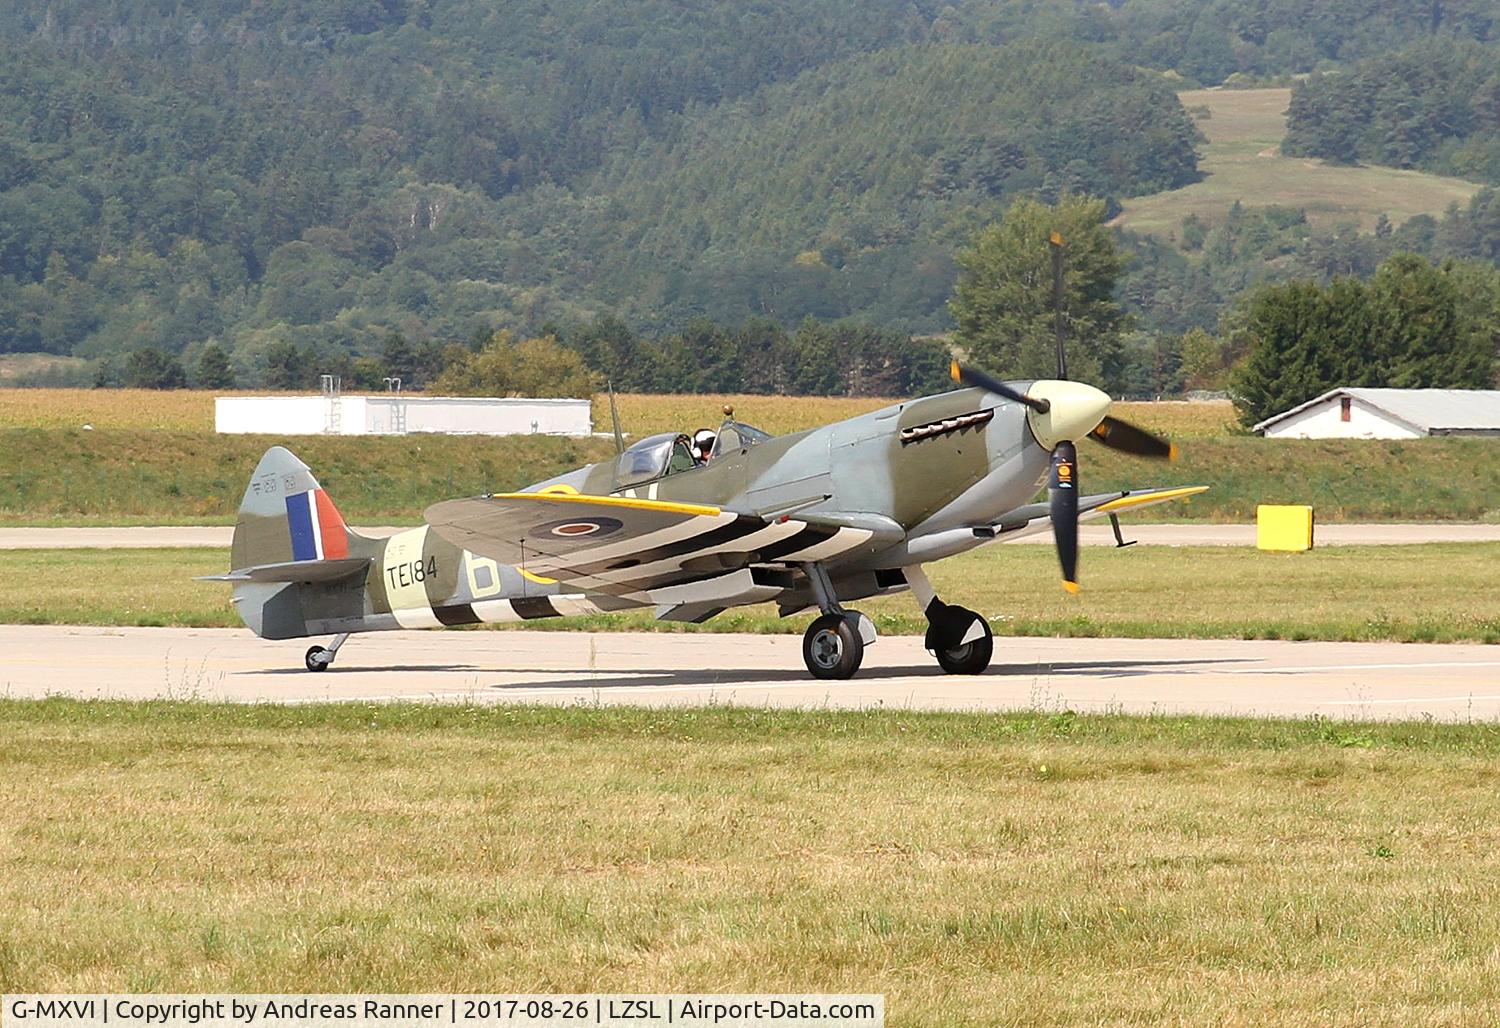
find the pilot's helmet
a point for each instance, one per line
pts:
(703, 443)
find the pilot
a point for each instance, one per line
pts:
(703, 444)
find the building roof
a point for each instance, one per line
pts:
(1426, 410)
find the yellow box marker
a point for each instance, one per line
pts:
(1287, 528)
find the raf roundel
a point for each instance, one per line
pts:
(577, 528)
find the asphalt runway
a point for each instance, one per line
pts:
(1089, 535)
(1384, 681)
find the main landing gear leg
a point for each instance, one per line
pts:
(960, 638)
(835, 643)
(319, 657)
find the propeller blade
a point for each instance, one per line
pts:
(1125, 437)
(1063, 499)
(1056, 241)
(974, 377)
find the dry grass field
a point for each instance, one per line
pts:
(1017, 869)
(1242, 161)
(640, 414)
(1428, 593)
(193, 410)
(178, 410)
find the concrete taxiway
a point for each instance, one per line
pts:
(1089, 535)
(1338, 680)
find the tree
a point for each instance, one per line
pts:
(400, 359)
(1202, 360)
(533, 367)
(1412, 326)
(611, 347)
(287, 367)
(214, 370)
(1003, 302)
(1294, 354)
(150, 368)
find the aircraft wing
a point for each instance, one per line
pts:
(1035, 517)
(637, 547)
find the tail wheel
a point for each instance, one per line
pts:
(971, 658)
(832, 647)
(318, 659)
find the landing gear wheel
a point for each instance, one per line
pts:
(832, 647)
(318, 659)
(970, 658)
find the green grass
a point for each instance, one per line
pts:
(1242, 161)
(977, 870)
(118, 476)
(1427, 593)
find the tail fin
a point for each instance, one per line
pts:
(289, 533)
(286, 516)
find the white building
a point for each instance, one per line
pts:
(400, 413)
(1388, 414)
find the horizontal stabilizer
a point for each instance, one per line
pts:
(296, 571)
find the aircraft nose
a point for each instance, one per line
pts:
(1076, 410)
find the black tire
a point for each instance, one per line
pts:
(970, 658)
(832, 647)
(318, 659)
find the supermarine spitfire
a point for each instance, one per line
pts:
(811, 520)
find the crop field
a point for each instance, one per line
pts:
(643, 414)
(1242, 161)
(189, 410)
(640, 414)
(1424, 593)
(998, 869)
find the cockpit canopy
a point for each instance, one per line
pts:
(736, 435)
(652, 457)
(669, 453)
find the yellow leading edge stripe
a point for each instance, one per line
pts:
(1160, 495)
(693, 509)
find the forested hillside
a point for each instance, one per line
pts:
(1434, 106)
(316, 174)
(1206, 41)
(846, 190)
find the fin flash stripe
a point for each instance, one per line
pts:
(317, 529)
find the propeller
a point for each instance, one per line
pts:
(1080, 409)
